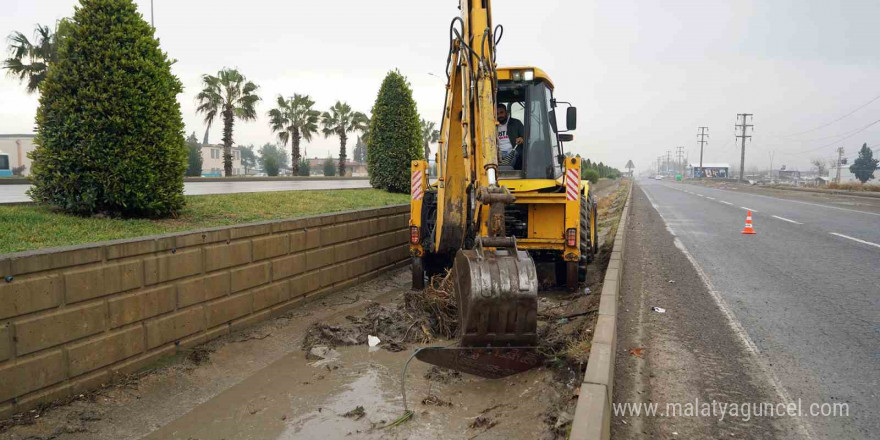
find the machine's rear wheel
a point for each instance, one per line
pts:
(418, 274)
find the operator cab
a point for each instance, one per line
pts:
(527, 94)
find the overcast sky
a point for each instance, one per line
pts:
(643, 74)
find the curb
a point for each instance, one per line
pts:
(592, 417)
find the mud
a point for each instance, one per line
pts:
(259, 383)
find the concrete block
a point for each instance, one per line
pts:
(319, 258)
(225, 255)
(612, 276)
(332, 234)
(45, 260)
(140, 362)
(49, 329)
(272, 294)
(129, 248)
(270, 246)
(605, 332)
(608, 305)
(5, 342)
(172, 266)
(201, 237)
(288, 266)
(201, 338)
(250, 320)
(592, 416)
(202, 289)
(287, 225)
(80, 285)
(297, 241)
(104, 350)
(90, 381)
(141, 305)
(29, 295)
(600, 368)
(249, 276)
(610, 289)
(175, 326)
(44, 396)
(227, 309)
(23, 376)
(313, 238)
(614, 264)
(250, 230)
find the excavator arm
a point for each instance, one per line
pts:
(495, 283)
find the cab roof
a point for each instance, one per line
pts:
(506, 74)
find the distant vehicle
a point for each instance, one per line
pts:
(658, 177)
(5, 166)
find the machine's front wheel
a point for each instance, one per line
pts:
(418, 273)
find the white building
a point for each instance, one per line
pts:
(212, 161)
(14, 149)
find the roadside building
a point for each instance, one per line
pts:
(14, 149)
(709, 170)
(212, 161)
(352, 168)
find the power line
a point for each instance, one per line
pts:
(853, 133)
(832, 122)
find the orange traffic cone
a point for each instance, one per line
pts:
(748, 229)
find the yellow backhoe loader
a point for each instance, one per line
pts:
(506, 223)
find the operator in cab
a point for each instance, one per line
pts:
(510, 139)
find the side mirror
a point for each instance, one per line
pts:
(566, 137)
(571, 118)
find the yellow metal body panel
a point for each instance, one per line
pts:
(573, 209)
(546, 221)
(506, 74)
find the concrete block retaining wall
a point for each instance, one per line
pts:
(74, 318)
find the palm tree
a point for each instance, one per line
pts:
(429, 135)
(340, 121)
(294, 119)
(230, 95)
(29, 61)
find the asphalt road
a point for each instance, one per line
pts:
(805, 290)
(16, 193)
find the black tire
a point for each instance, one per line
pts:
(586, 242)
(418, 274)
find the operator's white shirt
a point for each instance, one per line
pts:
(504, 144)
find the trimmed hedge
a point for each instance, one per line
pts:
(395, 135)
(109, 130)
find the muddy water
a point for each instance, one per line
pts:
(295, 398)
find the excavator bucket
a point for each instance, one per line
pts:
(497, 291)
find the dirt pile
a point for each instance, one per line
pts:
(421, 317)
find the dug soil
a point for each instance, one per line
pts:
(313, 374)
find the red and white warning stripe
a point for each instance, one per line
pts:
(572, 184)
(417, 190)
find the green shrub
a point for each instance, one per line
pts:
(329, 167)
(395, 135)
(273, 159)
(194, 156)
(304, 168)
(109, 130)
(591, 175)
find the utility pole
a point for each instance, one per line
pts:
(679, 154)
(771, 165)
(743, 127)
(659, 158)
(703, 134)
(839, 164)
(152, 22)
(668, 160)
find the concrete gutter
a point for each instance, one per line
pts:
(592, 417)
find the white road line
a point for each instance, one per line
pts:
(856, 239)
(748, 209)
(726, 203)
(786, 219)
(710, 198)
(701, 195)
